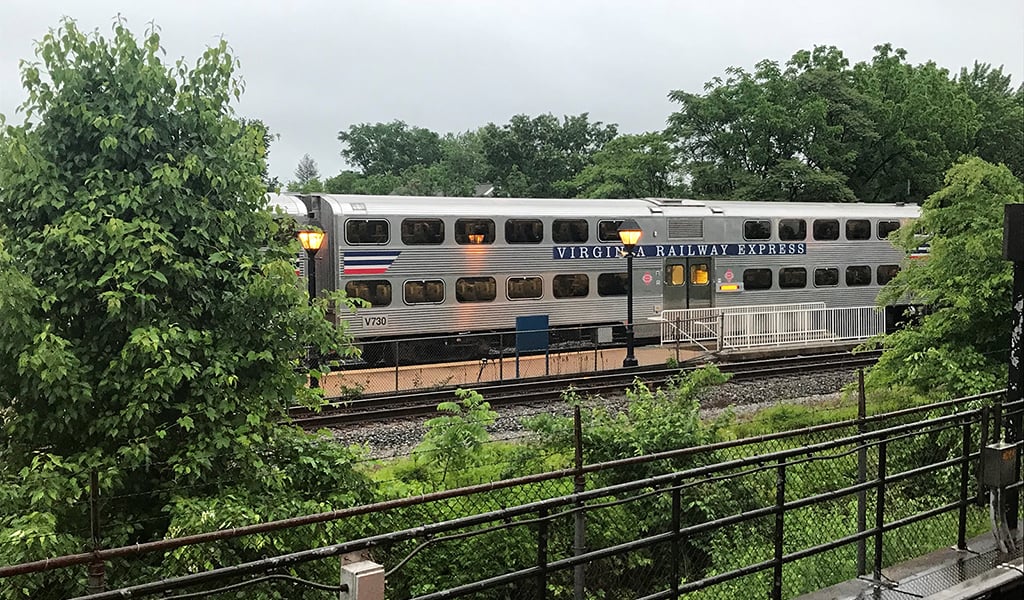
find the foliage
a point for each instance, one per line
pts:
(389, 148)
(152, 322)
(629, 166)
(307, 177)
(959, 347)
(271, 183)
(1000, 134)
(818, 129)
(667, 418)
(528, 157)
(453, 441)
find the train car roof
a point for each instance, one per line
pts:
(291, 205)
(808, 209)
(581, 207)
(512, 207)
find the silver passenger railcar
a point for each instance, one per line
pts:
(430, 266)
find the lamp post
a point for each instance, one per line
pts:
(630, 233)
(311, 242)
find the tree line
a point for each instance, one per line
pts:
(813, 129)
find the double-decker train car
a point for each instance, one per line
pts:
(432, 266)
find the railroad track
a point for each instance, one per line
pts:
(424, 403)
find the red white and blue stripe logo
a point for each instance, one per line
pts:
(368, 262)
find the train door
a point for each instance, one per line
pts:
(687, 283)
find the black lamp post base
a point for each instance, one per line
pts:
(630, 361)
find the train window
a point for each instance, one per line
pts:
(792, 277)
(826, 277)
(612, 284)
(571, 286)
(375, 291)
(524, 231)
(675, 275)
(416, 232)
(757, 279)
(474, 231)
(826, 229)
(699, 274)
(524, 287)
(792, 229)
(887, 227)
(886, 273)
(570, 231)
(366, 231)
(608, 231)
(860, 275)
(858, 229)
(757, 230)
(430, 291)
(475, 289)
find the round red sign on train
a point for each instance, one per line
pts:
(728, 275)
(647, 279)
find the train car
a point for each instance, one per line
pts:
(433, 266)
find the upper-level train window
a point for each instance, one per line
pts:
(524, 231)
(608, 231)
(826, 229)
(427, 291)
(791, 230)
(366, 231)
(757, 230)
(826, 277)
(885, 273)
(858, 229)
(375, 291)
(524, 287)
(859, 275)
(575, 285)
(792, 277)
(474, 231)
(417, 232)
(475, 289)
(612, 284)
(887, 227)
(570, 231)
(757, 279)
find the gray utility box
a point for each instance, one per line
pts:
(998, 465)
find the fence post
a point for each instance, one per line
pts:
(721, 331)
(396, 365)
(542, 553)
(965, 468)
(677, 511)
(780, 514)
(880, 510)
(862, 475)
(579, 486)
(97, 570)
(983, 441)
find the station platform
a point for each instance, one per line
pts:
(946, 574)
(413, 377)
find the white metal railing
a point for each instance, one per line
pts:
(772, 325)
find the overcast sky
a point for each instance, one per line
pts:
(314, 67)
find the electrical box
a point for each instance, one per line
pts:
(365, 581)
(998, 465)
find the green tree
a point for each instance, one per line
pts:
(272, 184)
(389, 148)
(818, 129)
(1000, 135)
(529, 157)
(151, 323)
(960, 346)
(629, 166)
(307, 177)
